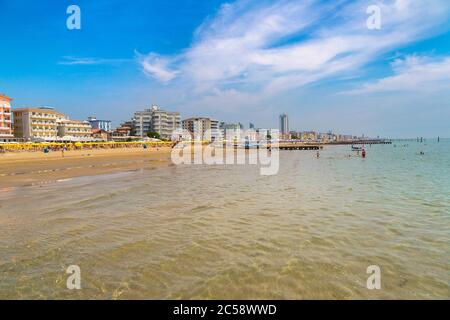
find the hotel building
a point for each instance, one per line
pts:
(74, 130)
(47, 124)
(6, 131)
(38, 123)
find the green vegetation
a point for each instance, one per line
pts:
(153, 134)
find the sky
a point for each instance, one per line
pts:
(236, 61)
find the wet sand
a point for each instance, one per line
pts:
(29, 168)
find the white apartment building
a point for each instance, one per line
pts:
(158, 120)
(202, 129)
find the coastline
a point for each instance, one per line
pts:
(29, 168)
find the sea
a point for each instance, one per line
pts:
(315, 230)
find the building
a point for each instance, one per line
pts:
(100, 124)
(284, 126)
(344, 137)
(101, 135)
(309, 136)
(142, 122)
(327, 137)
(165, 122)
(215, 130)
(74, 130)
(233, 131)
(124, 132)
(202, 129)
(294, 135)
(39, 123)
(47, 124)
(6, 129)
(157, 120)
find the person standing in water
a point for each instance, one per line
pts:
(363, 153)
(318, 155)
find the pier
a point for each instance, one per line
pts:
(358, 142)
(294, 146)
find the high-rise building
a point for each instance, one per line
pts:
(6, 130)
(158, 120)
(284, 126)
(165, 122)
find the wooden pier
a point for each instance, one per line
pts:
(360, 142)
(293, 146)
(319, 145)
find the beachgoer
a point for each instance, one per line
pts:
(318, 155)
(363, 153)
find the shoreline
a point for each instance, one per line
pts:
(18, 169)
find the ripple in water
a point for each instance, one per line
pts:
(228, 233)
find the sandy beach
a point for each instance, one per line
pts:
(28, 168)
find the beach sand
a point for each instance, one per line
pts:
(29, 168)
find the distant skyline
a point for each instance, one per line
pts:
(238, 61)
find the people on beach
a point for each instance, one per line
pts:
(318, 155)
(363, 153)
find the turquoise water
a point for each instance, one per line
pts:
(227, 232)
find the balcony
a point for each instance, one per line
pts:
(43, 117)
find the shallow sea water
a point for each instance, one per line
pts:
(226, 232)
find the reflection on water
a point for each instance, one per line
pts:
(228, 232)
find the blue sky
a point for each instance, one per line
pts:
(243, 60)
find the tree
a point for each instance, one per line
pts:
(153, 134)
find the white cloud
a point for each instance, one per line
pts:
(412, 74)
(157, 67)
(265, 48)
(77, 61)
